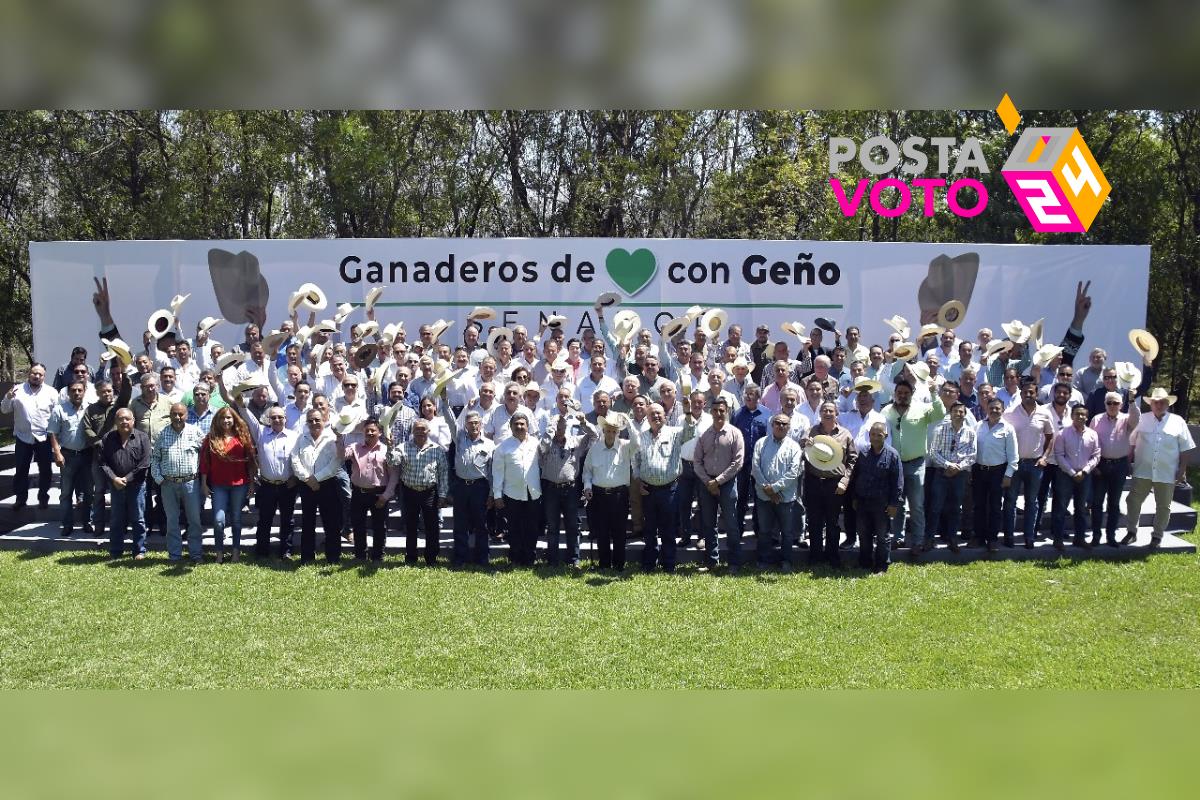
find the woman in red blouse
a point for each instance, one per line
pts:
(227, 469)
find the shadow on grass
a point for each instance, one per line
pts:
(35, 553)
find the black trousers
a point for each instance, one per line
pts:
(270, 498)
(421, 506)
(610, 511)
(363, 502)
(987, 489)
(525, 521)
(326, 500)
(823, 504)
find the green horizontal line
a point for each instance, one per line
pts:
(554, 304)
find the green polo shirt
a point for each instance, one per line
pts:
(909, 431)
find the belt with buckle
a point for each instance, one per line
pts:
(991, 466)
(470, 481)
(261, 479)
(179, 478)
(608, 489)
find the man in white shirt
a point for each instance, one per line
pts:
(607, 472)
(517, 487)
(596, 380)
(1162, 447)
(31, 404)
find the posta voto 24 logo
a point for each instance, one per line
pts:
(1051, 171)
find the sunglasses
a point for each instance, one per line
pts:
(350, 385)
(1112, 402)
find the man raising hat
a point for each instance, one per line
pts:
(1162, 448)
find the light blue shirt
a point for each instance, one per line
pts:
(777, 463)
(66, 423)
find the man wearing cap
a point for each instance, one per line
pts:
(829, 464)
(719, 455)
(760, 353)
(1077, 453)
(1035, 440)
(909, 421)
(31, 403)
(1162, 448)
(1113, 428)
(174, 463)
(516, 486)
(776, 464)
(73, 456)
(125, 459)
(876, 485)
(607, 472)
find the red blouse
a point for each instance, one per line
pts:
(231, 470)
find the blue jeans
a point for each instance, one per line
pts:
(76, 474)
(1047, 490)
(727, 499)
(660, 520)
(561, 507)
(1079, 493)
(689, 491)
(1108, 481)
(187, 493)
(946, 504)
(128, 514)
(914, 493)
(1025, 482)
(227, 506)
(470, 519)
(776, 530)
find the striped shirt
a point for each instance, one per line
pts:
(472, 457)
(777, 463)
(953, 447)
(659, 457)
(176, 453)
(560, 463)
(275, 452)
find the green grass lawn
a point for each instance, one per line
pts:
(74, 619)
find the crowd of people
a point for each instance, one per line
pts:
(670, 438)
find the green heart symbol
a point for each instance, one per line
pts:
(631, 271)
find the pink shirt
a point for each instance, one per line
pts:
(1077, 451)
(1031, 429)
(1113, 434)
(369, 468)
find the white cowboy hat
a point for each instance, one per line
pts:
(794, 328)
(1159, 393)
(714, 321)
(317, 353)
(685, 383)
(675, 327)
(440, 327)
(900, 325)
(996, 346)
(1035, 331)
(160, 323)
(824, 452)
(308, 297)
(494, 338)
(349, 419)
(905, 350)
(626, 323)
(951, 314)
(920, 370)
(608, 299)
(532, 386)
(252, 382)
(561, 364)
(367, 328)
(177, 301)
(694, 313)
(119, 350)
(615, 420)
(481, 312)
(554, 320)
(930, 329)
(343, 311)
(373, 298)
(1128, 375)
(864, 384)
(390, 330)
(364, 355)
(739, 363)
(303, 334)
(273, 341)
(1016, 331)
(326, 326)
(1046, 353)
(1144, 342)
(230, 360)
(208, 323)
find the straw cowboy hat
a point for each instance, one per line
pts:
(317, 353)
(252, 382)
(303, 334)
(350, 418)
(561, 364)
(930, 329)
(554, 320)
(439, 327)
(685, 384)
(824, 452)
(951, 315)
(1035, 331)
(615, 420)
(1144, 342)
(905, 350)
(308, 297)
(367, 328)
(388, 334)
(160, 323)
(230, 360)
(1017, 331)
(495, 337)
(365, 355)
(864, 384)
(1159, 393)
(675, 327)
(625, 324)
(481, 313)
(714, 321)
(208, 323)
(532, 386)
(343, 311)
(1046, 353)
(373, 298)
(997, 346)
(740, 363)
(900, 325)
(694, 313)
(273, 341)
(118, 350)
(794, 328)
(177, 301)
(608, 299)
(920, 370)
(1128, 375)
(327, 327)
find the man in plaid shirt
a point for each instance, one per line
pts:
(174, 460)
(424, 488)
(951, 457)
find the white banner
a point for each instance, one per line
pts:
(425, 279)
